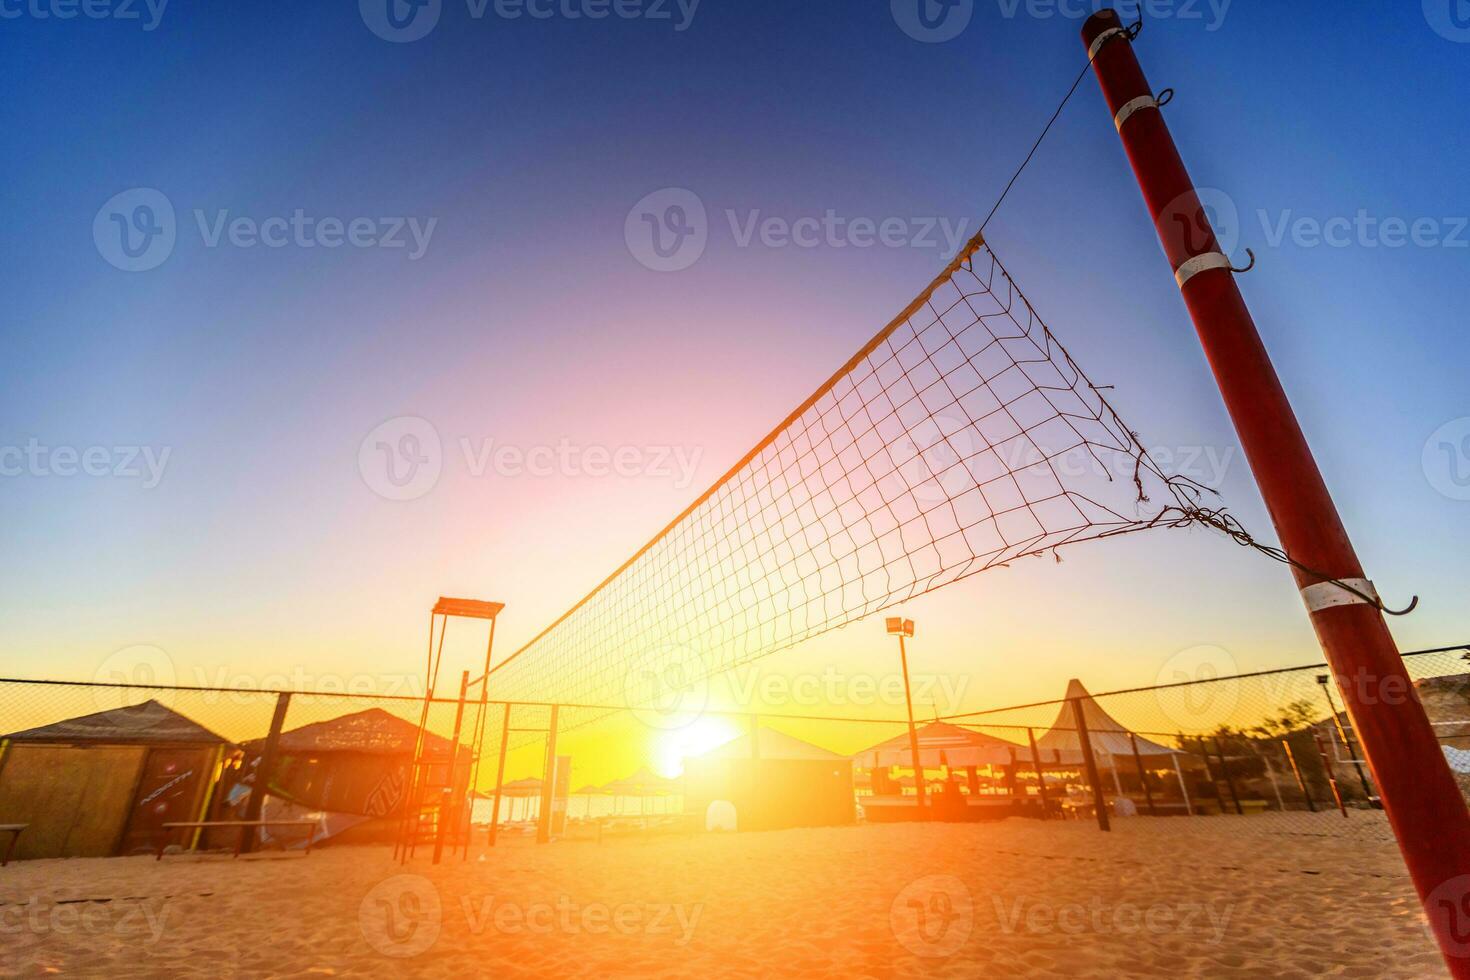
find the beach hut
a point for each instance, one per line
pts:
(104, 783)
(941, 746)
(350, 772)
(775, 781)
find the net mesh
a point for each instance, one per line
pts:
(962, 437)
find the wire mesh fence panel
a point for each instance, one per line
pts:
(131, 713)
(1276, 748)
(1269, 754)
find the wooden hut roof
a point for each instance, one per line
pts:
(373, 731)
(149, 722)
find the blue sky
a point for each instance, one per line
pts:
(526, 142)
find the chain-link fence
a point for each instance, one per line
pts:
(99, 769)
(1277, 747)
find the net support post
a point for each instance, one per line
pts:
(1419, 794)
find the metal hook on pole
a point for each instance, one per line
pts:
(1136, 28)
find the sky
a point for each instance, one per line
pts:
(377, 236)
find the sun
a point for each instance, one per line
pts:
(696, 738)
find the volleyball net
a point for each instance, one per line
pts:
(961, 437)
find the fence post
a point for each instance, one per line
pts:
(1347, 743)
(1297, 772)
(448, 805)
(1142, 778)
(1275, 786)
(1204, 753)
(1331, 776)
(1090, 766)
(499, 776)
(1040, 773)
(1179, 775)
(263, 771)
(1229, 779)
(548, 780)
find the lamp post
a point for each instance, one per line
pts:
(904, 628)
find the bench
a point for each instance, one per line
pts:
(244, 825)
(13, 829)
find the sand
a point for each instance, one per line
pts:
(1154, 898)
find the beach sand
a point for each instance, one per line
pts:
(1166, 897)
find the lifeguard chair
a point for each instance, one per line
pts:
(435, 809)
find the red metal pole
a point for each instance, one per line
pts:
(1419, 794)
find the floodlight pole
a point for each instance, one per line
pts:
(901, 629)
(1420, 796)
